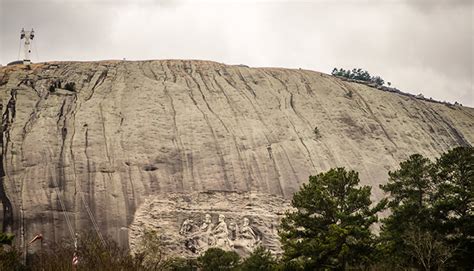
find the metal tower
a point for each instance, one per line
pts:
(28, 37)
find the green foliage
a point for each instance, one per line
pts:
(93, 255)
(377, 80)
(430, 227)
(431, 204)
(260, 260)
(54, 85)
(149, 251)
(291, 265)
(10, 257)
(57, 256)
(216, 259)
(330, 228)
(181, 264)
(453, 204)
(409, 191)
(409, 186)
(358, 74)
(108, 256)
(6, 238)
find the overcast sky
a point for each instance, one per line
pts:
(421, 46)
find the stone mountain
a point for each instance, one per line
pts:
(207, 152)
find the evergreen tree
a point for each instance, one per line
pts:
(330, 227)
(260, 260)
(377, 80)
(409, 200)
(216, 259)
(454, 204)
(181, 264)
(431, 225)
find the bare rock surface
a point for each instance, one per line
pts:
(101, 139)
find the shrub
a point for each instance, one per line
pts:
(71, 86)
(6, 239)
(150, 251)
(349, 94)
(316, 132)
(10, 257)
(181, 264)
(92, 252)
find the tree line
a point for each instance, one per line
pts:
(359, 74)
(428, 224)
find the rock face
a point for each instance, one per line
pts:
(104, 140)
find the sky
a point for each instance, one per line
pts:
(420, 46)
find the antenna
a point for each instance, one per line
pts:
(28, 37)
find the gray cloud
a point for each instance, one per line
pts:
(420, 45)
(430, 5)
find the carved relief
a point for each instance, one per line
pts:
(187, 227)
(248, 238)
(191, 223)
(227, 237)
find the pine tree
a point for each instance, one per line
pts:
(409, 189)
(330, 227)
(216, 259)
(453, 204)
(259, 260)
(431, 225)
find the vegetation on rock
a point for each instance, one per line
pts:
(358, 74)
(71, 86)
(10, 257)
